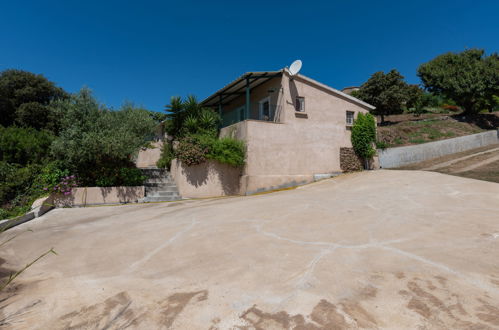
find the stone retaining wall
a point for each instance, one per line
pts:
(349, 161)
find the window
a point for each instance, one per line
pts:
(350, 116)
(300, 104)
(265, 109)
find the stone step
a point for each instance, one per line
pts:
(152, 190)
(162, 199)
(157, 175)
(160, 184)
(159, 180)
(155, 172)
(164, 194)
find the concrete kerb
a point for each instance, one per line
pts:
(9, 223)
(39, 208)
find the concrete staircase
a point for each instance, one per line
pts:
(159, 185)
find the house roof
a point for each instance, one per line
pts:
(334, 91)
(238, 86)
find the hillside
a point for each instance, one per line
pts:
(407, 129)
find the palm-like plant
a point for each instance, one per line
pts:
(190, 117)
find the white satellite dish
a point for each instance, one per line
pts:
(295, 67)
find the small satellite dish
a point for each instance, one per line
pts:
(295, 67)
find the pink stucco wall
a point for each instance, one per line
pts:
(100, 195)
(149, 156)
(301, 144)
(209, 179)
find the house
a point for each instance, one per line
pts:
(349, 90)
(294, 127)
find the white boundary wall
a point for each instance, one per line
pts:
(400, 156)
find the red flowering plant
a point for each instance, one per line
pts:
(65, 185)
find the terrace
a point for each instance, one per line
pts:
(254, 96)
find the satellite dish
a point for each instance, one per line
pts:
(295, 67)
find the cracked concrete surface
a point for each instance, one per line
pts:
(382, 249)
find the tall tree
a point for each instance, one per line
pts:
(96, 141)
(24, 97)
(470, 78)
(387, 92)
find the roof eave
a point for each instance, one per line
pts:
(237, 81)
(333, 90)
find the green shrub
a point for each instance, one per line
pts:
(187, 117)
(18, 188)
(364, 135)
(119, 176)
(191, 150)
(131, 176)
(21, 185)
(228, 151)
(51, 174)
(96, 143)
(24, 145)
(23, 97)
(167, 155)
(382, 145)
(196, 149)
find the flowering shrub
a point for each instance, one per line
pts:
(450, 107)
(191, 152)
(64, 186)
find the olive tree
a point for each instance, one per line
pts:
(96, 142)
(470, 78)
(388, 92)
(24, 99)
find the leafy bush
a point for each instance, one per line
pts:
(18, 189)
(65, 185)
(452, 108)
(167, 155)
(98, 144)
(381, 145)
(470, 78)
(228, 151)
(364, 135)
(131, 176)
(21, 185)
(387, 92)
(205, 122)
(24, 145)
(189, 117)
(196, 149)
(119, 176)
(51, 174)
(23, 97)
(191, 151)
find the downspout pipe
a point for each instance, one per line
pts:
(247, 98)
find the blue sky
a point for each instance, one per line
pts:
(147, 51)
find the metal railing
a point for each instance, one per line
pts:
(270, 113)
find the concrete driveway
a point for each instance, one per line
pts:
(381, 249)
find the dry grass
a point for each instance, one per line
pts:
(402, 130)
(488, 172)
